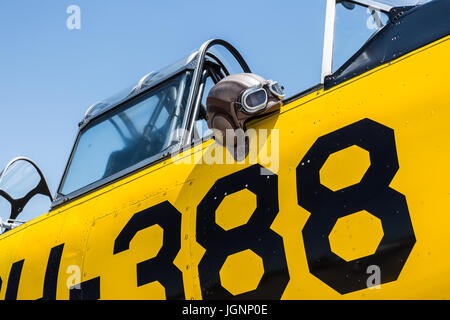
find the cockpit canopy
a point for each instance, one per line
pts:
(149, 121)
(165, 111)
(149, 80)
(363, 34)
(142, 128)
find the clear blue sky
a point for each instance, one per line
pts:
(50, 75)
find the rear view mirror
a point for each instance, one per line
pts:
(20, 181)
(348, 5)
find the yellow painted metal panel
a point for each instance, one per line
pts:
(407, 95)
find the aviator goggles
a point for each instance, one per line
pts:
(255, 98)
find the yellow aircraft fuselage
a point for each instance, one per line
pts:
(359, 183)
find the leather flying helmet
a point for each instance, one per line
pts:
(239, 97)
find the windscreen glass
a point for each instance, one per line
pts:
(19, 178)
(143, 128)
(355, 24)
(24, 193)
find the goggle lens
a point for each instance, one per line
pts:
(277, 90)
(256, 99)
